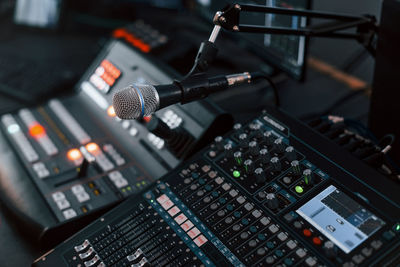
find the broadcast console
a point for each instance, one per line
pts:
(272, 192)
(65, 161)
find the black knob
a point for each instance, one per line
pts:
(219, 143)
(269, 137)
(248, 165)
(296, 169)
(308, 177)
(265, 156)
(243, 140)
(290, 153)
(228, 150)
(272, 201)
(330, 249)
(238, 157)
(253, 147)
(279, 145)
(276, 164)
(260, 176)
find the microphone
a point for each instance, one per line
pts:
(139, 100)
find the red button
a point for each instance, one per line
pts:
(307, 232)
(316, 241)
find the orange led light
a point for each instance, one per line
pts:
(74, 154)
(92, 147)
(147, 118)
(37, 131)
(111, 111)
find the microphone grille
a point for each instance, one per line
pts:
(135, 101)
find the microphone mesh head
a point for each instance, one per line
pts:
(136, 101)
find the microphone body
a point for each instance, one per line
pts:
(140, 100)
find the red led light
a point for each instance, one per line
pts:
(147, 118)
(316, 241)
(307, 232)
(37, 131)
(92, 147)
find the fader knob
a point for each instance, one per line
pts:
(253, 147)
(269, 137)
(265, 156)
(290, 153)
(276, 164)
(243, 140)
(228, 150)
(248, 165)
(272, 201)
(279, 145)
(260, 176)
(219, 143)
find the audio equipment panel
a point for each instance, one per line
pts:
(75, 157)
(272, 192)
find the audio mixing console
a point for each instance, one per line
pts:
(65, 161)
(272, 192)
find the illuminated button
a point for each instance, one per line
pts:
(173, 211)
(236, 174)
(13, 128)
(126, 124)
(186, 226)
(92, 147)
(69, 213)
(74, 154)
(180, 218)
(316, 241)
(37, 131)
(299, 189)
(63, 204)
(161, 199)
(200, 240)
(58, 196)
(396, 227)
(133, 131)
(193, 233)
(167, 204)
(111, 111)
(291, 244)
(306, 232)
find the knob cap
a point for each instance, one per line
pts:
(269, 137)
(265, 156)
(296, 169)
(279, 145)
(219, 143)
(253, 147)
(237, 126)
(228, 150)
(272, 201)
(308, 177)
(276, 164)
(260, 176)
(248, 165)
(290, 153)
(256, 128)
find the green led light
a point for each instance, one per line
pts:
(151, 201)
(236, 174)
(397, 227)
(299, 189)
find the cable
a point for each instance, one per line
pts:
(272, 84)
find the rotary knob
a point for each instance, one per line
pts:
(265, 156)
(296, 169)
(248, 165)
(269, 137)
(219, 143)
(272, 201)
(228, 150)
(260, 176)
(330, 249)
(308, 177)
(254, 149)
(290, 153)
(256, 128)
(276, 164)
(237, 126)
(279, 145)
(243, 140)
(238, 157)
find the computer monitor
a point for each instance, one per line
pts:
(284, 52)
